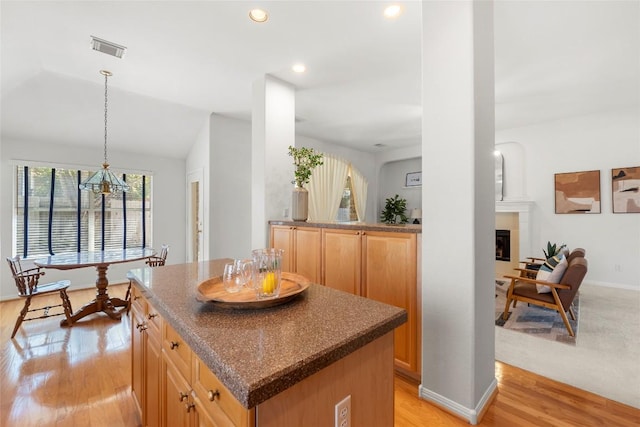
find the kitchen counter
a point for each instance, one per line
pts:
(257, 354)
(395, 228)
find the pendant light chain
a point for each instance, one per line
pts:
(106, 76)
(104, 181)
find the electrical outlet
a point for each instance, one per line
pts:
(343, 412)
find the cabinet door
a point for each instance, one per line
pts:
(307, 252)
(203, 418)
(175, 396)
(153, 370)
(282, 238)
(341, 254)
(389, 276)
(137, 359)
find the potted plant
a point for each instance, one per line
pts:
(552, 250)
(394, 208)
(304, 161)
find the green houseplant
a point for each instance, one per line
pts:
(553, 250)
(394, 208)
(304, 161)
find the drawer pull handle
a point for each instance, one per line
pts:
(174, 345)
(143, 328)
(152, 315)
(136, 298)
(139, 325)
(183, 396)
(189, 406)
(213, 394)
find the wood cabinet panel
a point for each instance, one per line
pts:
(389, 276)
(301, 246)
(307, 253)
(153, 372)
(282, 238)
(366, 375)
(216, 399)
(137, 360)
(341, 255)
(177, 350)
(175, 396)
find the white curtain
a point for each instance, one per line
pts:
(325, 189)
(359, 197)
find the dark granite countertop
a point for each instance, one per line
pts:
(259, 353)
(397, 228)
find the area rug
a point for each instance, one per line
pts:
(535, 320)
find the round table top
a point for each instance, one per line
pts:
(88, 259)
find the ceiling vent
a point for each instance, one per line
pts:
(107, 47)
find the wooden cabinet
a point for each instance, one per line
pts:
(145, 358)
(380, 265)
(301, 247)
(170, 385)
(341, 259)
(389, 267)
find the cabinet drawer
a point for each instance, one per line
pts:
(154, 322)
(137, 300)
(215, 398)
(177, 350)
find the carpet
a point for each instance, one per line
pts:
(535, 320)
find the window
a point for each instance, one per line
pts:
(51, 215)
(347, 210)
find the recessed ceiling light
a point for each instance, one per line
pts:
(392, 11)
(299, 68)
(258, 15)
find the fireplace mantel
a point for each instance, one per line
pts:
(522, 208)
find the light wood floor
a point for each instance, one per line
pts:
(80, 376)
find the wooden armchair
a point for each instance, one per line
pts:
(160, 259)
(27, 282)
(523, 288)
(152, 261)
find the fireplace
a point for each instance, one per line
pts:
(503, 245)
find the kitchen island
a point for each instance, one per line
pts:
(284, 365)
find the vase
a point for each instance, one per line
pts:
(299, 204)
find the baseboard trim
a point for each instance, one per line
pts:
(472, 415)
(612, 285)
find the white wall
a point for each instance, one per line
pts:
(168, 202)
(364, 162)
(594, 142)
(388, 156)
(392, 181)
(230, 188)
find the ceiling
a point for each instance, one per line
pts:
(186, 60)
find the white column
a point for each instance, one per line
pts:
(273, 130)
(458, 206)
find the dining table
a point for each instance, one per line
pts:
(101, 260)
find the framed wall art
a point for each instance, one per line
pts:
(625, 190)
(577, 192)
(414, 179)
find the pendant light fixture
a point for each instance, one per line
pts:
(104, 181)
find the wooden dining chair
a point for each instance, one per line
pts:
(160, 259)
(152, 261)
(27, 282)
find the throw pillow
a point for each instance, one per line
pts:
(551, 271)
